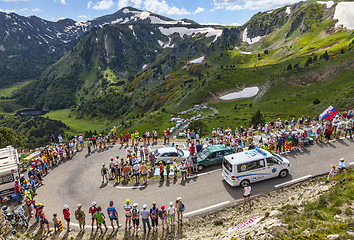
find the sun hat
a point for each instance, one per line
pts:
(179, 198)
(144, 206)
(135, 205)
(342, 159)
(171, 203)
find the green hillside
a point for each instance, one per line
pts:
(122, 75)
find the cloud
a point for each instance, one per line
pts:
(199, 10)
(129, 3)
(82, 16)
(100, 5)
(7, 11)
(36, 10)
(235, 24)
(162, 7)
(14, 0)
(61, 1)
(233, 5)
(23, 9)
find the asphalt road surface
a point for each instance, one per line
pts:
(79, 181)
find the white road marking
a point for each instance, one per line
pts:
(206, 208)
(90, 226)
(332, 140)
(198, 175)
(293, 181)
(351, 163)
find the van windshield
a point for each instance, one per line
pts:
(278, 158)
(227, 165)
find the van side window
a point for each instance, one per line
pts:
(272, 161)
(250, 166)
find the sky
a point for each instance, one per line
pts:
(224, 12)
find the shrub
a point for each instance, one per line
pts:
(316, 101)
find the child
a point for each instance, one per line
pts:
(163, 217)
(56, 223)
(171, 213)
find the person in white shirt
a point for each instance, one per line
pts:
(171, 213)
(341, 165)
(247, 191)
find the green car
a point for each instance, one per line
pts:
(212, 155)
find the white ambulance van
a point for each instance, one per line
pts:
(253, 166)
(9, 170)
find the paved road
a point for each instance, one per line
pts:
(78, 181)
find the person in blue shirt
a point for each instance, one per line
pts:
(199, 147)
(32, 184)
(113, 215)
(30, 172)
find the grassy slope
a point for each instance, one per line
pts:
(7, 92)
(318, 217)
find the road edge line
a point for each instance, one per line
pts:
(206, 208)
(292, 181)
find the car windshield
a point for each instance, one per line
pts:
(204, 154)
(278, 158)
(180, 152)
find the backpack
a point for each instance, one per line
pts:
(135, 213)
(153, 214)
(181, 207)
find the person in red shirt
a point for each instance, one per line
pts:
(168, 133)
(18, 192)
(66, 214)
(93, 210)
(127, 138)
(192, 149)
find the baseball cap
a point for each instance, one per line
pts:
(66, 206)
(342, 159)
(135, 205)
(144, 206)
(93, 203)
(127, 200)
(79, 205)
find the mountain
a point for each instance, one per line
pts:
(30, 44)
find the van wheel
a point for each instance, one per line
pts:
(200, 167)
(244, 182)
(283, 173)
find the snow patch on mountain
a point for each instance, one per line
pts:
(345, 14)
(288, 10)
(249, 40)
(167, 45)
(198, 60)
(329, 4)
(144, 15)
(191, 31)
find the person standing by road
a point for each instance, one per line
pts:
(128, 216)
(175, 168)
(179, 209)
(168, 169)
(104, 173)
(332, 172)
(154, 213)
(135, 217)
(80, 217)
(145, 218)
(348, 128)
(162, 170)
(247, 191)
(183, 168)
(66, 214)
(113, 215)
(100, 219)
(171, 214)
(163, 216)
(136, 169)
(93, 210)
(152, 161)
(143, 171)
(195, 163)
(44, 220)
(18, 192)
